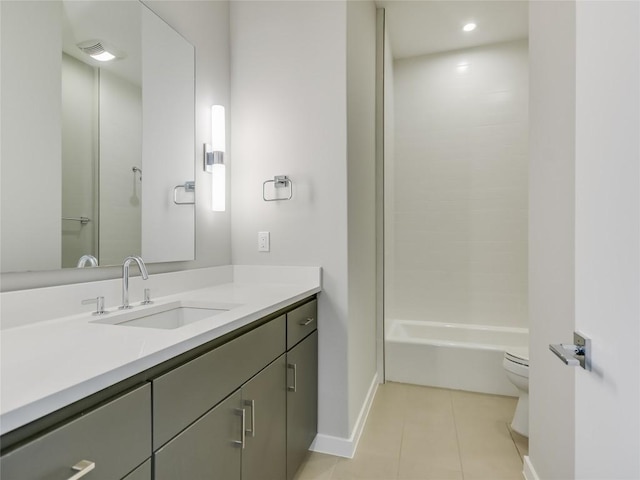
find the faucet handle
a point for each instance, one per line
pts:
(147, 297)
(99, 301)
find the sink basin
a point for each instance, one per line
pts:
(167, 316)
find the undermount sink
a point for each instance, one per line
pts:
(168, 316)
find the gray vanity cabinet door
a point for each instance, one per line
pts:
(185, 393)
(302, 401)
(264, 399)
(207, 449)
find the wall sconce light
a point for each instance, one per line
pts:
(214, 159)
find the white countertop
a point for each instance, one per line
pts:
(50, 364)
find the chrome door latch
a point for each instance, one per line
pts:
(578, 353)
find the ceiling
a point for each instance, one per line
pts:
(116, 24)
(422, 27)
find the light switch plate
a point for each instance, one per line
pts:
(263, 242)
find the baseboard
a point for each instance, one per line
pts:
(346, 447)
(529, 472)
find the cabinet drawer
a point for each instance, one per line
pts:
(115, 436)
(301, 322)
(187, 392)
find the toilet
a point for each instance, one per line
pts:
(516, 365)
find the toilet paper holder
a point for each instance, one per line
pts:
(578, 353)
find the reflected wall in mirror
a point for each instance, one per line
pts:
(92, 150)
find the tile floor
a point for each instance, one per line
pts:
(424, 433)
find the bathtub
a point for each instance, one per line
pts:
(447, 355)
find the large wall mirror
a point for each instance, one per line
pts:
(93, 150)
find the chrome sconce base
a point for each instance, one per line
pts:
(211, 158)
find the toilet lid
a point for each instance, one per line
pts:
(518, 355)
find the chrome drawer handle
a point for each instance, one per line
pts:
(252, 404)
(306, 322)
(243, 421)
(82, 467)
(293, 367)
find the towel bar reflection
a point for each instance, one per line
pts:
(189, 187)
(279, 181)
(82, 220)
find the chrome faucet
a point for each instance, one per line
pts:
(125, 278)
(90, 259)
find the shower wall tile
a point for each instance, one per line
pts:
(459, 223)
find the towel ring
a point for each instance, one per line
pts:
(189, 186)
(279, 181)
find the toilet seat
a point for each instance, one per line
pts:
(519, 355)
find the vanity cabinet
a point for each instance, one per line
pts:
(243, 407)
(115, 437)
(302, 384)
(186, 393)
(243, 437)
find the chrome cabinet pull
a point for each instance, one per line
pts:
(252, 405)
(306, 322)
(82, 467)
(293, 367)
(243, 422)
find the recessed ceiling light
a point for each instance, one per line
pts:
(469, 27)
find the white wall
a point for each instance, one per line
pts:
(79, 159)
(31, 111)
(361, 191)
(205, 24)
(290, 116)
(459, 199)
(607, 219)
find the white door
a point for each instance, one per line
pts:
(607, 237)
(584, 235)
